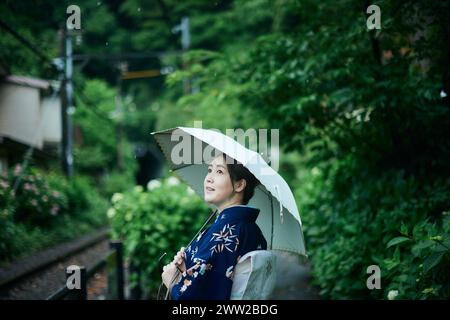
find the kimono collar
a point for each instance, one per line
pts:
(239, 212)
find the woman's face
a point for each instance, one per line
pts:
(217, 184)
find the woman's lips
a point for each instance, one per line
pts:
(209, 189)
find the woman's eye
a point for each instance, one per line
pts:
(219, 171)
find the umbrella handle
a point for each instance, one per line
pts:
(277, 189)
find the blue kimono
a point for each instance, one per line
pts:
(211, 258)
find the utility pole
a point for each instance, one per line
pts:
(183, 27)
(185, 33)
(67, 108)
(120, 116)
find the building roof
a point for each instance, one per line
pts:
(28, 81)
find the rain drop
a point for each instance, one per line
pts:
(106, 44)
(443, 94)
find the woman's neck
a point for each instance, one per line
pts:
(227, 205)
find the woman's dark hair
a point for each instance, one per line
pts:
(237, 172)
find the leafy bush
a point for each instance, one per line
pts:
(117, 182)
(46, 209)
(36, 202)
(78, 191)
(7, 231)
(354, 219)
(161, 219)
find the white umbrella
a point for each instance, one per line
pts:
(189, 151)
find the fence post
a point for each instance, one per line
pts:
(135, 292)
(118, 246)
(83, 291)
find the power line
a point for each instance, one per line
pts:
(85, 101)
(27, 44)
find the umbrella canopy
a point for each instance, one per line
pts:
(189, 151)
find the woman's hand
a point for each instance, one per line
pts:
(179, 260)
(170, 270)
(168, 275)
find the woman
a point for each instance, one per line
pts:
(207, 265)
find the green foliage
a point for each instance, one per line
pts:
(96, 152)
(328, 81)
(7, 231)
(150, 222)
(102, 134)
(117, 182)
(46, 208)
(354, 219)
(35, 201)
(216, 98)
(31, 24)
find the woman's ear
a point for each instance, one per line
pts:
(240, 185)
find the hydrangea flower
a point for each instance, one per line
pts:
(116, 197)
(173, 181)
(153, 184)
(111, 213)
(392, 294)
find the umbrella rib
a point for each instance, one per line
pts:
(166, 131)
(271, 233)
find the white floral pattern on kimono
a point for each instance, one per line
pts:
(211, 258)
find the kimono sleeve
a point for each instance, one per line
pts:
(211, 277)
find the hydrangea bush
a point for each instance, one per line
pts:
(39, 209)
